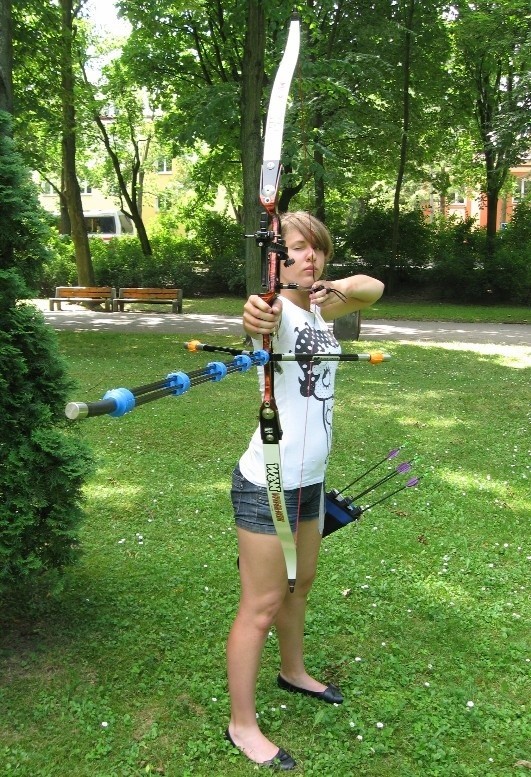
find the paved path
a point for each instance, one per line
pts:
(78, 319)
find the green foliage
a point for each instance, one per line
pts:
(218, 241)
(458, 260)
(59, 268)
(447, 258)
(24, 229)
(366, 245)
(418, 609)
(510, 268)
(42, 468)
(208, 260)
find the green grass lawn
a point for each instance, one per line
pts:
(420, 612)
(385, 308)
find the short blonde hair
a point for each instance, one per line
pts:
(313, 230)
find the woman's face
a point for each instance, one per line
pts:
(308, 262)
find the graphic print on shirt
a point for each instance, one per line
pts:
(316, 377)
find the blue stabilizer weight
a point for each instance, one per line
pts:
(125, 401)
(243, 362)
(179, 381)
(260, 357)
(216, 370)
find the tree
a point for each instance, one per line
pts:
(48, 39)
(493, 65)
(127, 136)
(42, 469)
(72, 191)
(6, 57)
(250, 124)
(409, 14)
(37, 119)
(206, 64)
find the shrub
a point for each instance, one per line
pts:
(510, 267)
(42, 467)
(118, 262)
(208, 260)
(59, 269)
(214, 245)
(459, 260)
(24, 229)
(448, 258)
(367, 245)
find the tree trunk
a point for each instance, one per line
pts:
(85, 270)
(318, 158)
(65, 228)
(250, 134)
(133, 200)
(492, 221)
(391, 276)
(6, 57)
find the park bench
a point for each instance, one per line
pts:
(104, 294)
(173, 297)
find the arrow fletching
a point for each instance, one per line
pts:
(410, 483)
(404, 467)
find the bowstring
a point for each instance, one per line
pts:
(304, 135)
(305, 157)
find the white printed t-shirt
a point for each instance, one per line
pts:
(304, 393)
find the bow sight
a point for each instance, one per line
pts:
(269, 241)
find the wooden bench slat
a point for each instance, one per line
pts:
(149, 295)
(147, 291)
(126, 295)
(83, 294)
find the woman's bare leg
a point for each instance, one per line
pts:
(291, 615)
(263, 588)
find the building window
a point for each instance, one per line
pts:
(163, 202)
(85, 187)
(164, 164)
(47, 188)
(522, 188)
(457, 199)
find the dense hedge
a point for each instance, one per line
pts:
(42, 464)
(210, 260)
(42, 467)
(448, 259)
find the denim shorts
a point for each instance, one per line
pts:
(251, 505)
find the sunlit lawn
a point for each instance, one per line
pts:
(420, 611)
(411, 309)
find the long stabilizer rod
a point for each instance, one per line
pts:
(374, 358)
(118, 402)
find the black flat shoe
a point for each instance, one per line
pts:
(331, 694)
(281, 762)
